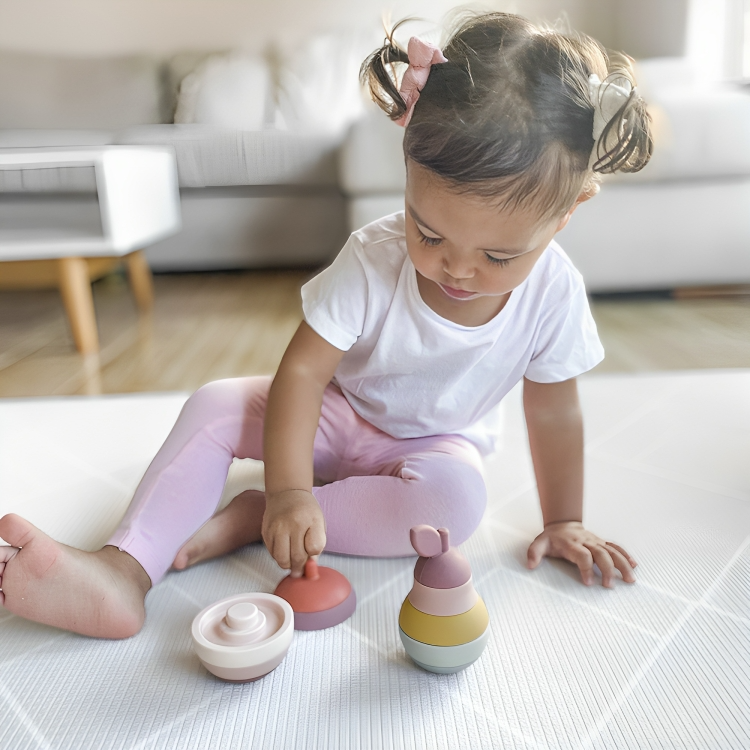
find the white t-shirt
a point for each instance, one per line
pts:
(412, 373)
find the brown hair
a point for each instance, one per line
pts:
(509, 116)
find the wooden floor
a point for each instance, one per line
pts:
(209, 326)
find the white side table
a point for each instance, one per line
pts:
(139, 204)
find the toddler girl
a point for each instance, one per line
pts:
(387, 396)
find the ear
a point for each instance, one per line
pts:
(582, 198)
(426, 540)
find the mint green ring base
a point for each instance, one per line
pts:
(444, 659)
(441, 670)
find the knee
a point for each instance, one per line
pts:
(464, 497)
(456, 493)
(229, 396)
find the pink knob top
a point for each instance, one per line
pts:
(439, 566)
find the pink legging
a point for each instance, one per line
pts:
(376, 486)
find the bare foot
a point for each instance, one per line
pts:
(235, 526)
(92, 593)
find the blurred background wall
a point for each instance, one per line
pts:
(645, 28)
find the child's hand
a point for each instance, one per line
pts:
(293, 529)
(570, 541)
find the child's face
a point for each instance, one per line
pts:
(469, 255)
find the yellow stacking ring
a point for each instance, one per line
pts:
(444, 631)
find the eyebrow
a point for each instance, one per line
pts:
(416, 218)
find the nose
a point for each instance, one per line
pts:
(457, 267)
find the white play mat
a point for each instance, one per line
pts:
(661, 664)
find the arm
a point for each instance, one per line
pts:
(293, 524)
(555, 426)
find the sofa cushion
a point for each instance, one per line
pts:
(227, 91)
(176, 68)
(209, 156)
(38, 91)
(318, 80)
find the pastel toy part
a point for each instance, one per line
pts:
(446, 571)
(426, 540)
(243, 637)
(443, 602)
(321, 598)
(326, 618)
(444, 631)
(444, 659)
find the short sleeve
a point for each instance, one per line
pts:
(568, 343)
(335, 301)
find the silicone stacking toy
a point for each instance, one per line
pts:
(321, 598)
(444, 625)
(244, 637)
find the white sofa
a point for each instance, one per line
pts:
(250, 198)
(683, 221)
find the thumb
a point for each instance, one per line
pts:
(315, 540)
(537, 550)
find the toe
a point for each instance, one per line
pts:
(6, 555)
(180, 561)
(17, 531)
(185, 557)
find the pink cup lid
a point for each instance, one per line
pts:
(242, 620)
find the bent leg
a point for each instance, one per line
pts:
(182, 487)
(438, 482)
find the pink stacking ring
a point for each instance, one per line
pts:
(443, 602)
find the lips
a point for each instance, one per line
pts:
(457, 293)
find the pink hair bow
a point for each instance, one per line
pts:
(422, 56)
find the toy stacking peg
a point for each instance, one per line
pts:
(321, 598)
(444, 625)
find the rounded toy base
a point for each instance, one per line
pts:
(444, 659)
(328, 617)
(242, 682)
(244, 674)
(442, 670)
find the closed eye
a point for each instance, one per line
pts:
(429, 241)
(497, 261)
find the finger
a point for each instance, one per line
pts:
(632, 562)
(315, 540)
(537, 550)
(603, 559)
(298, 554)
(583, 558)
(280, 551)
(621, 563)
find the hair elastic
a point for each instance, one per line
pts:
(607, 98)
(422, 56)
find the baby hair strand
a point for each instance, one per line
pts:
(378, 74)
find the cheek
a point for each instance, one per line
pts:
(425, 259)
(519, 271)
(501, 279)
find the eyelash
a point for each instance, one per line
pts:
(434, 241)
(497, 261)
(429, 241)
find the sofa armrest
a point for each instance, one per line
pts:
(372, 157)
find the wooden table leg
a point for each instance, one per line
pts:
(141, 281)
(75, 288)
